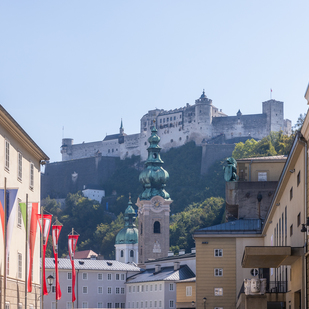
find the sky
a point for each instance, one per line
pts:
(74, 69)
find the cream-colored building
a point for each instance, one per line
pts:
(21, 159)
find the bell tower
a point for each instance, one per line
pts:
(153, 205)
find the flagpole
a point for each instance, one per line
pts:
(72, 275)
(42, 275)
(5, 211)
(26, 285)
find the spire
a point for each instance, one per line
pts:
(203, 96)
(121, 130)
(154, 176)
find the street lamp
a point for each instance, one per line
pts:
(204, 300)
(50, 281)
(193, 303)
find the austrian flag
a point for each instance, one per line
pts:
(56, 232)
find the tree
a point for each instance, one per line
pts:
(299, 122)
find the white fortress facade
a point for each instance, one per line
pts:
(201, 122)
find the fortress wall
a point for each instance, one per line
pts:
(71, 176)
(213, 153)
(246, 125)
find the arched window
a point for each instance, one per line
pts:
(141, 228)
(131, 253)
(121, 253)
(156, 227)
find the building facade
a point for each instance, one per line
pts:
(201, 122)
(99, 283)
(21, 159)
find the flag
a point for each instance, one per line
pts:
(46, 227)
(56, 229)
(31, 226)
(9, 221)
(72, 241)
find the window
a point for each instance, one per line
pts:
(100, 276)
(156, 227)
(100, 305)
(117, 305)
(291, 193)
(53, 289)
(121, 253)
(218, 291)
(69, 276)
(122, 276)
(7, 155)
(137, 289)
(19, 216)
(160, 303)
(171, 304)
(171, 286)
(123, 305)
(298, 219)
(156, 287)
(7, 305)
(117, 276)
(20, 167)
(218, 272)
(31, 175)
(109, 290)
(142, 304)
(85, 290)
(262, 176)
(69, 289)
(85, 276)
(117, 290)
(219, 252)
(109, 305)
(20, 265)
(155, 303)
(20, 306)
(109, 276)
(150, 287)
(291, 230)
(100, 289)
(188, 290)
(129, 289)
(146, 303)
(298, 178)
(131, 253)
(137, 304)
(85, 304)
(122, 290)
(150, 304)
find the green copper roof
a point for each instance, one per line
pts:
(129, 234)
(154, 176)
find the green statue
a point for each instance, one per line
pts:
(230, 170)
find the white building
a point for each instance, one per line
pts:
(93, 194)
(99, 283)
(156, 287)
(20, 158)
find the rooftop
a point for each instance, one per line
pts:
(165, 274)
(270, 158)
(243, 226)
(110, 265)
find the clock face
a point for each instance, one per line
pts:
(157, 204)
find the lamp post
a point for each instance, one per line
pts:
(204, 301)
(50, 281)
(193, 304)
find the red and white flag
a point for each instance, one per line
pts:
(55, 233)
(46, 227)
(72, 241)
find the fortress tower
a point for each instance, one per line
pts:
(153, 205)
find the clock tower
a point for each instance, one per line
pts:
(153, 205)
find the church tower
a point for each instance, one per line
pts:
(153, 205)
(127, 238)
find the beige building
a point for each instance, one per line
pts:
(21, 159)
(186, 293)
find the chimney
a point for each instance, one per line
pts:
(176, 265)
(170, 253)
(182, 251)
(157, 268)
(193, 250)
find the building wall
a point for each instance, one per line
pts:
(93, 295)
(181, 296)
(21, 143)
(206, 262)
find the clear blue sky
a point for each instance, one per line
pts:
(84, 65)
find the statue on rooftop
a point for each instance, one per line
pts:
(230, 171)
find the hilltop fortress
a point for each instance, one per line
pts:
(201, 122)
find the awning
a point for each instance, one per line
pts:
(270, 257)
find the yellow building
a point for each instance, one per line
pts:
(186, 293)
(21, 159)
